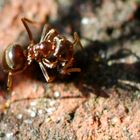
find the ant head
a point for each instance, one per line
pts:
(13, 59)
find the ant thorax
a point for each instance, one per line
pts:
(41, 50)
(31, 53)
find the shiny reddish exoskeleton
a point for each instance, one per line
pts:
(53, 51)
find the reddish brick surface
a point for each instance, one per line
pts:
(102, 102)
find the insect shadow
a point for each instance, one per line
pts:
(102, 72)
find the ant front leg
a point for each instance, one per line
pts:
(45, 73)
(49, 64)
(48, 35)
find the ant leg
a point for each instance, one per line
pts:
(30, 21)
(51, 34)
(49, 64)
(44, 71)
(48, 35)
(44, 32)
(77, 40)
(67, 70)
(24, 21)
(9, 81)
(6, 105)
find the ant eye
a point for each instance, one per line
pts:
(14, 59)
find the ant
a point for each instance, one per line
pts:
(53, 51)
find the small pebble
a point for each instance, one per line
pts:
(19, 116)
(28, 121)
(40, 112)
(56, 94)
(32, 113)
(114, 120)
(34, 103)
(50, 110)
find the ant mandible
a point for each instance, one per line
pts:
(53, 51)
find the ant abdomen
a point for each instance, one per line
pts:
(14, 59)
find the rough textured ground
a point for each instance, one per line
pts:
(103, 101)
